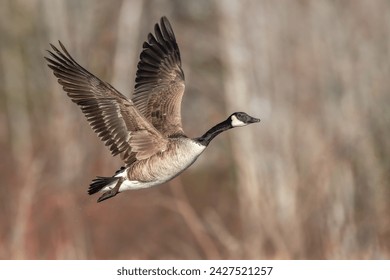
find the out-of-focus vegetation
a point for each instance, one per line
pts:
(311, 181)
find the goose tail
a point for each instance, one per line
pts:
(99, 183)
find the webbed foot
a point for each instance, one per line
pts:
(113, 192)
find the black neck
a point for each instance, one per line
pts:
(206, 138)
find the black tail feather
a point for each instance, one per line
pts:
(99, 183)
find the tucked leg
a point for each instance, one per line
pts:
(113, 192)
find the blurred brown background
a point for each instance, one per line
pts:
(311, 181)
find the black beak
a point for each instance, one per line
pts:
(253, 120)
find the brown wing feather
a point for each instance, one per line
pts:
(111, 115)
(159, 84)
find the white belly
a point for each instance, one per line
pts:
(163, 170)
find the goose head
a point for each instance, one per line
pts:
(241, 119)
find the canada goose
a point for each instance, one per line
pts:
(146, 130)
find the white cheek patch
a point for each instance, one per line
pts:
(236, 122)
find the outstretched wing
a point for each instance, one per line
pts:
(159, 80)
(111, 115)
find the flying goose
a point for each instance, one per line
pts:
(146, 131)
